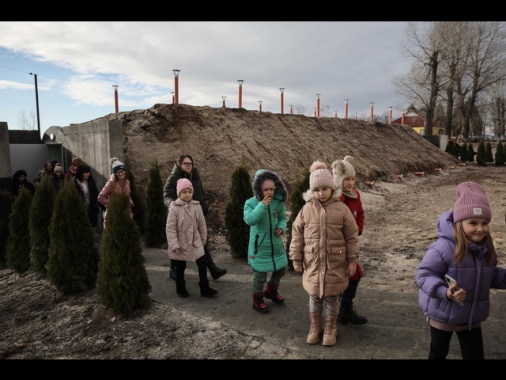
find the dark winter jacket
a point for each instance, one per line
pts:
(17, 184)
(169, 190)
(473, 274)
(266, 251)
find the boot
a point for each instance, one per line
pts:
(259, 304)
(205, 290)
(181, 289)
(315, 331)
(349, 315)
(216, 272)
(330, 333)
(272, 293)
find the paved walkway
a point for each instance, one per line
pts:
(396, 327)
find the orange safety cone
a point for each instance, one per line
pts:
(451, 167)
(399, 176)
(437, 169)
(462, 164)
(419, 173)
(370, 184)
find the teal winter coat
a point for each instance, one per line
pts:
(266, 251)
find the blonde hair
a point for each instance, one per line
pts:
(461, 245)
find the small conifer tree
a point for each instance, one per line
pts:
(463, 152)
(40, 219)
(297, 201)
(470, 153)
(500, 157)
(155, 234)
(139, 208)
(237, 234)
(480, 157)
(6, 201)
(488, 153)
(72, 264)
(18, 242)
(123, 283)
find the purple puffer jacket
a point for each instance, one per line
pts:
(473, 274)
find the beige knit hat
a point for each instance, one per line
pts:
(342, 169)
(320, 176)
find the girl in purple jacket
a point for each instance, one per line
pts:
(464, 251)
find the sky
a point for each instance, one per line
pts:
(78, 63)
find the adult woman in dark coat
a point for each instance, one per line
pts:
(87, 189)
(185, 168)
(19, 180)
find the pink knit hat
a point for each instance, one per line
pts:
(472, 202)
(182, 184)
(320, 176)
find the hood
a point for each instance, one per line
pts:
(281, 193)
(445, 226)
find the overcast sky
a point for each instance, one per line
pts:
(77, 64)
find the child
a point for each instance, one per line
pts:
(344, 178)
(186, 236)
(325, 248)
(465, 251)
(117, 183)
(265, 213)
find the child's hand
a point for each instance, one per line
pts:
(178, 251)
(298, 268)
(456, 294)
(352, 268)
(267, 200)
(279, 232)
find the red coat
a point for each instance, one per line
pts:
(355, 206)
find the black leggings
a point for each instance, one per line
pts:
(471, 343)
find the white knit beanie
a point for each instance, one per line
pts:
(342, 169)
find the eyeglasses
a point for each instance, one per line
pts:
(187, 163)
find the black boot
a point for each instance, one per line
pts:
(205, 290)
(347, 312)
(172, 270)
(181, 289)
(216, 272)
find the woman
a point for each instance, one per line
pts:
(19, 180)
(46, 172)
(87, 189)
(117, 183)
(185, 168)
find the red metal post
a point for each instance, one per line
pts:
(317, 105)
(223, 97)
(372, 111)
(176, 85)
(402, 118)
(240, 92)
(282, 101)
(259, 106)
(116, 105)
(390, 115)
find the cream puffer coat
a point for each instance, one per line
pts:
(325, 240)
(186, 229)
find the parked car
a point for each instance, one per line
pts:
(473, 138)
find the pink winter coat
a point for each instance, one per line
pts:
(186, 229)
(325, 240)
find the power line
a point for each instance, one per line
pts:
(21, 71)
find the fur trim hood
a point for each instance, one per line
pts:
(281, 193)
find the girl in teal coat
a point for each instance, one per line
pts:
(265, 213)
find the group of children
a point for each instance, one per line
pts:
(324, 247)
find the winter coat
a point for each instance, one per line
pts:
(169, 190)
(473, 274)
(92, 208)
(325, 240)
(356, 208)
(266, 251)
(17, 184)
(186, 229)
(113, 186)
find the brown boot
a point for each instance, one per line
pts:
(330, 333)
(315, 331)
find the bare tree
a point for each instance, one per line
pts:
(27, 121)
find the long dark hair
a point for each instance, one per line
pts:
(81, 169)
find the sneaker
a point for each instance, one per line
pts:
(172, 273)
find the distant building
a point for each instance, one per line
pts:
(417, 122)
